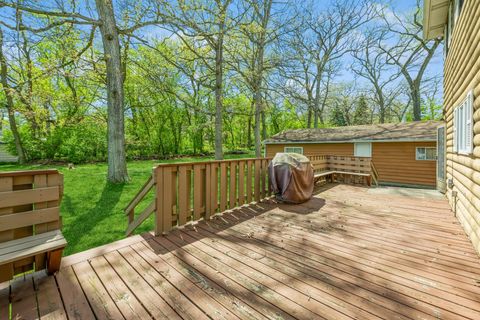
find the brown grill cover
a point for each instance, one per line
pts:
(291, 177)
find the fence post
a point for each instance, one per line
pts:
(158, 176)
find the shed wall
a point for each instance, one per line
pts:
(395, 161)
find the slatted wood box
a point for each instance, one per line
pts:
(29, 206)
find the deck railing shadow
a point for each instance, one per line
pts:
(246, 213)
(188, 192)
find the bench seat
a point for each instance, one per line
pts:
(51, 242)
(326, 173)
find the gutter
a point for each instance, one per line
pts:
(348, 141)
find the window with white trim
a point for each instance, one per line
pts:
(463, 126)
(426, 153)
(293, 150)
(362, 149)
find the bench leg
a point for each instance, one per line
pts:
(53, 261)
(6, 272)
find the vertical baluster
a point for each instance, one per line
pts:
(167, 199)
(223, 186)
(258, 164)
(183, 195)
(214, 188)
(232, 202)
(199, 191)
(208, 189)
(241, 183)
(249, 181)
(159, 212)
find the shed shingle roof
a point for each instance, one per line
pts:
(409, 131)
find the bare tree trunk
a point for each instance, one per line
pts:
(258, 107)
(264, 125)
(117, 166)
(316, 102)
(219, 94)
(10, 105)
(249, 129)
(416, 102)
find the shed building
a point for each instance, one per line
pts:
(403, 153)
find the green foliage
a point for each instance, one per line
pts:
(362, 112)
(337, 117)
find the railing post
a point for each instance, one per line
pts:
(131, 215)
(258, 164)
(158, 176)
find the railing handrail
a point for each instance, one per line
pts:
(375, 172)
(27, 172)
(139, 195)
(190, 163)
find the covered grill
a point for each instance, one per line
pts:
(291, 177)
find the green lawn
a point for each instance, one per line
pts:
(92, 209)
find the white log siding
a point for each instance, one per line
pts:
(462, 75)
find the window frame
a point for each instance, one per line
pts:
(294, 147)
(425, 153)
(463, 126)
(355, 144)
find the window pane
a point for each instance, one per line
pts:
(431, 154)
(294, 150)
(363, 149)
(420, 153)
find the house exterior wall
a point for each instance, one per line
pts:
(462, 74)
(395, 161)
(339, 149)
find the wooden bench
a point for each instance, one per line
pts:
(329, 175)
(30, 222)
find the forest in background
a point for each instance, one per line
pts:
(114, 80)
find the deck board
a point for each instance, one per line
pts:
(50, 304)
(349, 253)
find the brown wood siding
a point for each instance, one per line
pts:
(395, 161)
(339, 149)
(462, 74)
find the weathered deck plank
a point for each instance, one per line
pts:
(23, 299)
(50, 304)
(349, 253)
(75, 302)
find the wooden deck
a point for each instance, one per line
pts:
(351, 252)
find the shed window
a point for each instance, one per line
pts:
(426, 153)
(463, 126)
(362, 149)
(293, 150)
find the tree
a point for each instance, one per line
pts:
(208, 22)
(362, 112)
(315, 49)
(337, 117)
(117, 165)
(117, 169)
(410, 52)
(9, 103)
(371, 64)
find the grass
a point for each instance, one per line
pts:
(92, 209)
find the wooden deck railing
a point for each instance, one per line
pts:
(187, 192)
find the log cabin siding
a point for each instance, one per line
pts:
(395, 161)
(462, 74)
